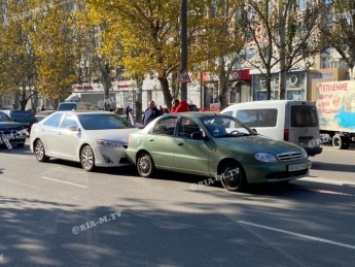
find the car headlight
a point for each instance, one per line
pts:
(304, 153)
(265, 157)
(109, 143)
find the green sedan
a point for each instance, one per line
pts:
(215, 146)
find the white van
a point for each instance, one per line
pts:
(289, 120)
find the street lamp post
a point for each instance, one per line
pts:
(184, 47)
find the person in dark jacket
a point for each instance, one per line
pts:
(150, 113)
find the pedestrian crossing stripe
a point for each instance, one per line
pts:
(184, 77)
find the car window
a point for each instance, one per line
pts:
(165, 126)
(104, 121)
(186, 127)
(258, 117)
(229, 113)
(54, 121)
(69, 121)
(67, 106)
(226, 126)
(22, 116)
(304, 116)
(4, 117)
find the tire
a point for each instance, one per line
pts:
(145, 165)
(40, 152)
(340, 141)
(232, 176)
(87, 159)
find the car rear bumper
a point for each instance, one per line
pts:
(110, 157)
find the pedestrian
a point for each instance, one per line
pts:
(164, 110)
(150, 113)
(128, 110)
(179, 106)
(43, 108)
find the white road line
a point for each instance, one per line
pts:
(299, 235)
(63, 182)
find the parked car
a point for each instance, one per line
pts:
(11, 133)
(27, 118)
(95, 139)
(82, 106)
(216, 146)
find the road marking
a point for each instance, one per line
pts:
(63, 182)
(299, 235)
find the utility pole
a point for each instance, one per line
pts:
(183, 49)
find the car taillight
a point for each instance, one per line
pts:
(286, 132)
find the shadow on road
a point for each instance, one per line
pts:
(24, 151)
(337, 167)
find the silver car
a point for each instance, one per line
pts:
(95, 138)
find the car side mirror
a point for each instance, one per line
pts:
(254, 130)
(198, 136)
(74, 128)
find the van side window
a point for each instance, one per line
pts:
(258, 117)
(304, 116)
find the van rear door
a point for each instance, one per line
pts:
(303, 126)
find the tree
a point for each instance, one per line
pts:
(18, 68)
(338, 30)
(55, 44)
(282, 35)
(149, 34)
(223, 52)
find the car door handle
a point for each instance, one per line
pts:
(151, 140)
(180, 144)
(59, 133)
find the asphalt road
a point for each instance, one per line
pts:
(56, 214)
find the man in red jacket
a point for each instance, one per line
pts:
(179, 106)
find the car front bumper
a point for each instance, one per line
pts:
(276, 172)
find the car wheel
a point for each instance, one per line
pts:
(87, 158)
(340, 142)
(40, 152)
(232, 176)
(145, 165)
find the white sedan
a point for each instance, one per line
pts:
(95, 138)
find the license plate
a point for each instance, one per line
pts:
(297, 167)
(7, 143)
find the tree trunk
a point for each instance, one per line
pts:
(222, 96)
(166, 92)
(106, 81)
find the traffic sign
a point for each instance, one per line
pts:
(184, 77)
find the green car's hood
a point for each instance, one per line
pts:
(257, 143)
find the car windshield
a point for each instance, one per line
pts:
(22, 116)
(226, 126)
(4, 117)
(107, 121)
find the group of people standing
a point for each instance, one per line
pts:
(153, 112)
